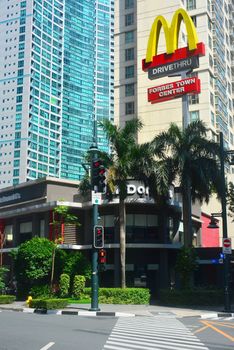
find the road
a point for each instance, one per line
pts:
(21, 331)
(216, 333)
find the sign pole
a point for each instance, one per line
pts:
(185, 124)
(185, 106)
(227, 304)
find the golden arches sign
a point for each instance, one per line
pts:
(171, 33)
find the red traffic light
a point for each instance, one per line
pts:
(102, 256)
(98, 176)
(96, 163)
(98, 239)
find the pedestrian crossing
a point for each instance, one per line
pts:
(152, 333)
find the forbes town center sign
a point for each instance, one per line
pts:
(175, 60)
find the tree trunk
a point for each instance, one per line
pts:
(187, 214)
(122, 240)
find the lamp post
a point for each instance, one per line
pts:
(94, 277)
(223, 214)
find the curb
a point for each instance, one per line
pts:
(217, 315)
(69, 312)
(78, 313)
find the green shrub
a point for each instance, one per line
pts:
(48, 304)
(7, 299)
(64, 285)
(32, 264)
(3, 272)
(195, 297)
(41, 292)
(78, 286)
(121, 295)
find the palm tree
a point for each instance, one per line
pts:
(193, 160)
(120, 162)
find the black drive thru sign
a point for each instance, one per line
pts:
(227, 246)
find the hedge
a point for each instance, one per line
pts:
(121, 295)
(48, 304)
(7, 299)
(78, 286)
(64, 284)
(193, 297)
(41, 292)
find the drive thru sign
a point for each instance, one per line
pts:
(227, 246)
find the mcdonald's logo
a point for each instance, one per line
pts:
(171, 33)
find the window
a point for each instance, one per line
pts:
(191, 4)
(209, 24)
(129, 19)
(129, 90)
(141, 228)
(193, 99)
(194, 19)
(16, 172)
(129, 4)
(194, 115)
(25, 231)
(129, 108)
(210, 42)
(211, 61)
(9, 232)
(129, 72)
(129, 54)
(129, 37)
(212, 118)
(211, 99)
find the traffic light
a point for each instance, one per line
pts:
(98, 239)
(102, 256)
(98, 176)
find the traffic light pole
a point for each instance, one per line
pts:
(94, 277)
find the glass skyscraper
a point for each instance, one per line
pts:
(56, 78)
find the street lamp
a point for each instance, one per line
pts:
(223, 214)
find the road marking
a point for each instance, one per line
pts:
(200, 330)
(47, 346)
(223, 324)
(218, 330)
(158, 341)
(145, 333)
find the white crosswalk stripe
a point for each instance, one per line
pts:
(152, 333)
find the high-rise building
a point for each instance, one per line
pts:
(214, 23)
(56, 78)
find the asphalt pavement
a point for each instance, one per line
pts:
(145, 328)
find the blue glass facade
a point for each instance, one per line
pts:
(87, 79)
(78, 85)
(45, 116)
(60, 79)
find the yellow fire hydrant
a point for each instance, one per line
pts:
(28, 300)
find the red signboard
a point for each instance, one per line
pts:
(174, 89)
(179, 54)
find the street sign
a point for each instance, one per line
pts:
(174, 89)
(227, 246)
(96, 198)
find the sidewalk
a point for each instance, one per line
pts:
(123, 310)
